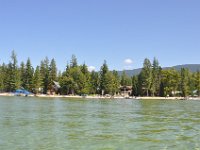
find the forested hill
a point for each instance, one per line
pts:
(191, 67)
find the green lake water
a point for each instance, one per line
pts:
(28, 123)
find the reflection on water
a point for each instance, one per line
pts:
(35, 123)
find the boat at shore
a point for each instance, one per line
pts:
(22, 92)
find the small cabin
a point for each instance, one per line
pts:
(126, 91)
(55, 89)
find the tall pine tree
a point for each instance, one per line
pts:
(13, 81)
(147, 75)
(103, 72)
(44, 71)
(156, 78)
(29, 75)
(184, 82)
(197, 81)
(52, 73)
(94, 82)
(135, 86)
(37, 80)
(23, 75)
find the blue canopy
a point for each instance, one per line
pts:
(22, 91)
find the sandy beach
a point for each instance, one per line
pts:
(105, 97)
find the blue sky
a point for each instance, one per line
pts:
(123, 32)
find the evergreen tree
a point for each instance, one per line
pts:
(44, 71)
(147, 75)
(125, 80)
(3, 77)
(79, 79)
(116, 82)
(161, 89)
(37, 81)
(184, 82)
(67, 68)
(29, 75)
(13, 79)
(197, 82)
(103, 71)
(59, 75)
(141, 83)
(73, 62)
(94, 82)
(86, 76)
(135, 86)
(23, 74)
(109, 83)
(156, 77)
(2, 87)
(191, 83)
(84, 69)
(52, 73)
(170, 82)
(67, 85)
(86, 73)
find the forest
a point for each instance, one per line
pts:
(77, 80)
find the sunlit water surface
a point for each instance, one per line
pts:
(81, 124)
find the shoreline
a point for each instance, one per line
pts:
(103, 97)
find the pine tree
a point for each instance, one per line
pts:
(5, 77)
(23, 74)
(37, 81)
(184, 82)
(1, 79)
(109, 83)
(59, 76)
(156, 77)
(197, 81)
(170, 82)
(141, 83)
(84, 69)
(44, 71)
(191, 82)
(103, 71)
(13, 79)
(79, 79)
(67, 68)
(94, 82)
(147, 75)
(68, 85)
(86, 74)
(125, 80)
(29, 75)
(52, 73)
(135, 86)
(73, 62)
(116, 84)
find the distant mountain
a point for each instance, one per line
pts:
(191, 67)
(131, 72)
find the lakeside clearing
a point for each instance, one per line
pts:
(105, 97)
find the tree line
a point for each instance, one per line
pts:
(77, 80)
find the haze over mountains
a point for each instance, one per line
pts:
(191, 67)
